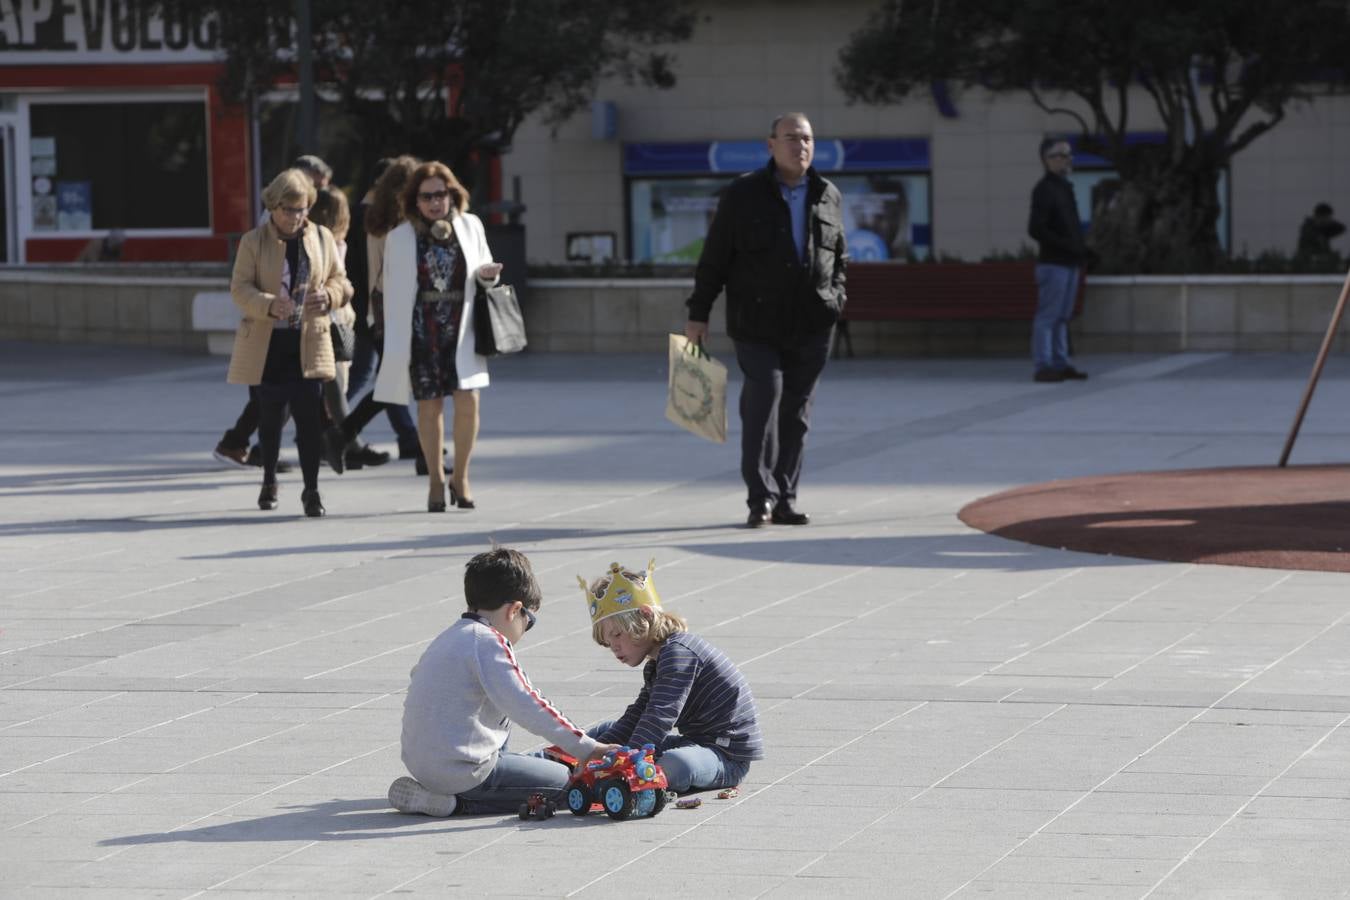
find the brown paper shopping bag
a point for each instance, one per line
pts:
(697, 392)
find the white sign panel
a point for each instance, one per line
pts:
(35, 32)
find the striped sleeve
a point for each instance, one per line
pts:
(707, 696)
(667, 691)
(621, 732)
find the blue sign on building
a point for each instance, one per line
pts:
(734, 157)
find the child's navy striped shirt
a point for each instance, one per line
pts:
(693, 688)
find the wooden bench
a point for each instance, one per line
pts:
(912, 292)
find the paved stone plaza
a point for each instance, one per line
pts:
(197, 697)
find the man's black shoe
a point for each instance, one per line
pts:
(1073, 374)
(784, 514)
(760, 515)
(1048, 375)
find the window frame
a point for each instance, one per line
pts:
(23, 175)
(680, 173)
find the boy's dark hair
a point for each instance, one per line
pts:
(1046, 144)
(500, 576)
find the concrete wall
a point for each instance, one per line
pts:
(749, 60)
(73, 306)
(1120, 314)
(1253, 313)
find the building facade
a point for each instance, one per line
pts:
(110, 121)
(947, 174)
(113, 122)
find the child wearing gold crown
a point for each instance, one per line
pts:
(695, 705)
(466, 690)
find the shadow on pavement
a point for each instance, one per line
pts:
(967, 551)
(335, 820)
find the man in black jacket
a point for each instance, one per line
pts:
(776, 244)
(1056, 227)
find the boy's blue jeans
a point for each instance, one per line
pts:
(690, 766)
(511, 782)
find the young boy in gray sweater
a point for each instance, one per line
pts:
(467, 689)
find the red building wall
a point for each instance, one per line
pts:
(230, 159)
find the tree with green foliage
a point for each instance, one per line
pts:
(1217, 75)
(448, 79)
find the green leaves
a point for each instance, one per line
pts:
(446, 79)
(1217, 73)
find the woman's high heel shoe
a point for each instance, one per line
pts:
(267, 497)
(436, 499)
(460, 501)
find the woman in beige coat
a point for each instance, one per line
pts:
(288, 276)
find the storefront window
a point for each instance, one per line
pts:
(885, 185)
(670, 217)
(127, 165)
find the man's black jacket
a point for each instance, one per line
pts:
(1055, 224)
(771, 296)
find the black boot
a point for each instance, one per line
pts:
(313, 505)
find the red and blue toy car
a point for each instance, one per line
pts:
(628, 784)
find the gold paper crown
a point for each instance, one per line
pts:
(626, 590)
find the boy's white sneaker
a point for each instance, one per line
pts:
(408, 796)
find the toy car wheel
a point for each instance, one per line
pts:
(662, 797)
(579, 801)
(616, 798)
(548, 809)
(524, 810)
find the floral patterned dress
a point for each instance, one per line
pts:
(436, 314)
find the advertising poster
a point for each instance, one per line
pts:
(44, 212)
(74, 205)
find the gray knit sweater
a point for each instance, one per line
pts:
(466, 690)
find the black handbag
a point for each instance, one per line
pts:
(344, 341)
(497, 324)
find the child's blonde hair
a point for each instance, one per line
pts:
(647, 622)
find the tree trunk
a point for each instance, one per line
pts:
(1157, 221)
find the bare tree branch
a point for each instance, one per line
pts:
(1059, 110)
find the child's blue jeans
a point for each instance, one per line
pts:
(512, 780)
(690, 766)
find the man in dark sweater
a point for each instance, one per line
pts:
(1056, 227)
(776, 244)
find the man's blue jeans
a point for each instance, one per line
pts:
(689, 766)
(1056, 291)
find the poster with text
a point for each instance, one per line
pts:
(74, 205)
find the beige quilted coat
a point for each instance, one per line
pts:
(257, 281)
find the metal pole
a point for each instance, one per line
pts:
(1317, 369)
(307, 136)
